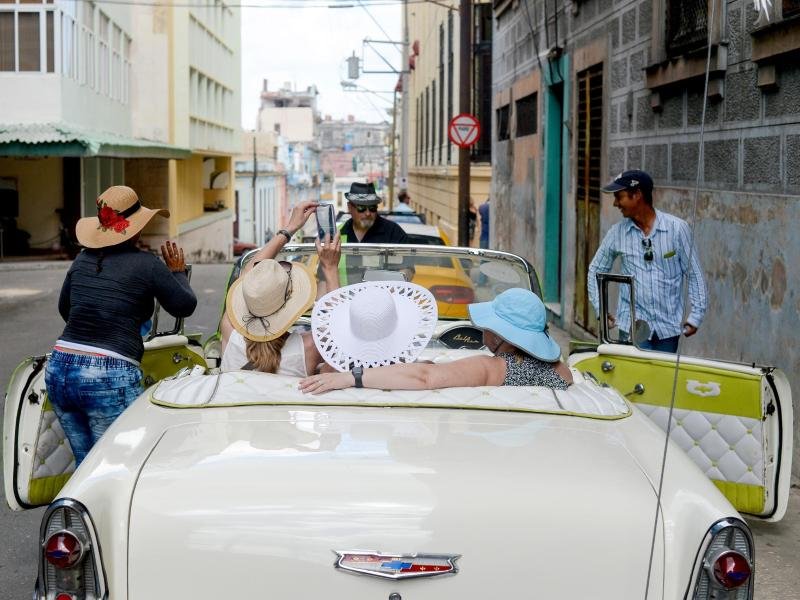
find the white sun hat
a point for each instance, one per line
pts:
(373, 323)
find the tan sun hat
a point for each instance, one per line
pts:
(267, 300)
(120, 216)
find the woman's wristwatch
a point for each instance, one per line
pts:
(285, 233)
(358, 372)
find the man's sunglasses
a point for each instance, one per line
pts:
(364, 208)
(648, 249)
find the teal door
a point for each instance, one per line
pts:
(555, 145)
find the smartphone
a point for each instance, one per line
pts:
(326, 221)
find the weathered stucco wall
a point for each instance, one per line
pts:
(749, 176)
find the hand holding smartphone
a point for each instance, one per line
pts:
(326, 221)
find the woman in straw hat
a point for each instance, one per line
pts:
(514, 328)
(93, 373)
(264, 303)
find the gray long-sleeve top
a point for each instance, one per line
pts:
(106, 309)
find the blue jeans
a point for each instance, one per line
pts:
(669, 344)
(88, 393)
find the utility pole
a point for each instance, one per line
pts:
(464, 106)
(404, 102)
(394, 151)
(255, 175)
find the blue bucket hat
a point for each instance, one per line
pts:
(519, 317)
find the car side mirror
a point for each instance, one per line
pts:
(609, 305)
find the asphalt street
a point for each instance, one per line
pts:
(30, 324)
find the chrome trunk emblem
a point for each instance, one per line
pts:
(396, 566)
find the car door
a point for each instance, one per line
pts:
(734, 420)
(37, 458)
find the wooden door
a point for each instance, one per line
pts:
(589, 112)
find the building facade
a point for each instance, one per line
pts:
(584, 90)
(353, 151)
(433, 100)
(294, 117)
(96, 95)
(260, 189)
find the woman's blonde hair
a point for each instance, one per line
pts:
(266, 356)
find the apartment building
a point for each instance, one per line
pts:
(260, 188)
(433, 98)
(293, 115)
(98, 94)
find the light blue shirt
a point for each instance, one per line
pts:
(659, 295)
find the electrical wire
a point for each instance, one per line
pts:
(397, 45)
(689, 262)
(268, 4)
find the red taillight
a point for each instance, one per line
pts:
(63, 550)
(453, 294)
(63, 596)
(731, 570)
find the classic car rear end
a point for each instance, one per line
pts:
(240, 486)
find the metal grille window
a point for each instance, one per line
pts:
(502, 122)
(527, 117)
(482, 78)
(442, 124)
(449, 78)
(790, 8)
(687, 25)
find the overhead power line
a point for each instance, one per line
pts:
(268, 4)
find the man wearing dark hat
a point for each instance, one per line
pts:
(366, 225)
(657, 250)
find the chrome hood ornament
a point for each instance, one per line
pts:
(396, 566)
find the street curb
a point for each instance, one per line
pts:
(34, 265)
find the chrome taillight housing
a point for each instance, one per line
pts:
(725, 564)
(70, 565)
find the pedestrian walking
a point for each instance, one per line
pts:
(483, 211)
(657, 250)
(109, 292)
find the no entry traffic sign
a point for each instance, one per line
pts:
(464, 130)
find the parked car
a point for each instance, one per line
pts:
(240, 247)
(229, 485)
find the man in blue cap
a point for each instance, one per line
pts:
(657, 250)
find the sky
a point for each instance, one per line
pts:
(309, 46)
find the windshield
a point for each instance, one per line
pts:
(455, 276)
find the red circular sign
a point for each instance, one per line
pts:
(464, 130)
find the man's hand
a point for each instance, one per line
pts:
(173, 257)
(612, 321)
(689, 330)
(300, 214)
(330, 251)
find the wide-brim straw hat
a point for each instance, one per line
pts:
(373, 324)
(519, 317)
(120, 216)
(267, 300)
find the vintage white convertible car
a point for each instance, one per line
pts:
(235, 485)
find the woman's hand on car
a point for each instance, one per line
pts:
(324, 382)
(300, 214)
(173, 257)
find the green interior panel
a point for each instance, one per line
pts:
(45, 489)
(747, 498)
(164, 362)
(739, 393)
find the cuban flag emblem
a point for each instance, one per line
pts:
(396, 566)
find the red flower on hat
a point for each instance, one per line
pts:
(110, 218)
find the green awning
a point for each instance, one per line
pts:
(56, 139)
